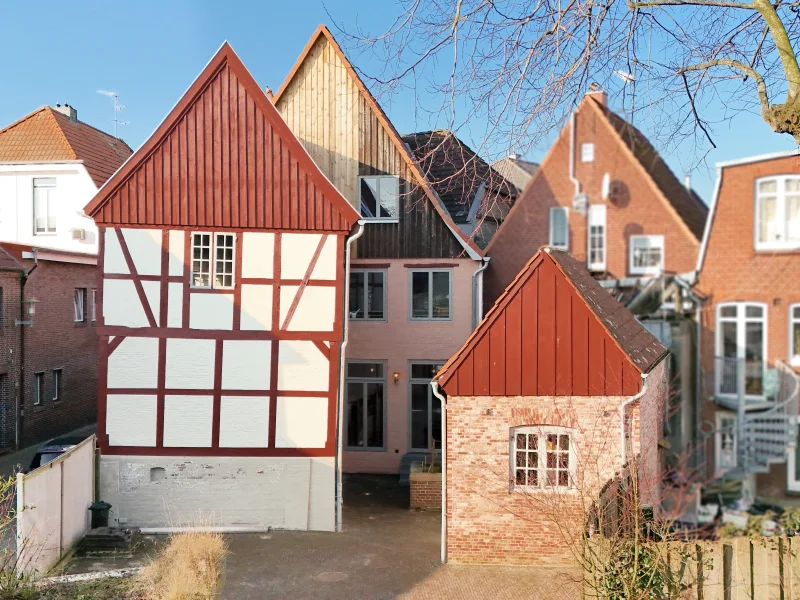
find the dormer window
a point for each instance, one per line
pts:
(778, 213)
(379, 198)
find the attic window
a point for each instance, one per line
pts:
(647, 254)
(379, 198)
(778, 213)
(587, 153)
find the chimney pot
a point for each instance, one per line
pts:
(687, 181)
(66, 109)
(598, 93)
(514, 156)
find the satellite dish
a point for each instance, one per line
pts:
(606, 190)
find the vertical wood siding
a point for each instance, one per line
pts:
(327, 111)
(545, 341)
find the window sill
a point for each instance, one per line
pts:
(80, 324)
(544, 490)
(777, 249)
(367, 320)
(419, 320)
(360, 449)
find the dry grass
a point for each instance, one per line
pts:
(189, 567)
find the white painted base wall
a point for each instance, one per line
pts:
(230, 493)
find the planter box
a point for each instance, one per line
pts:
(426, 489)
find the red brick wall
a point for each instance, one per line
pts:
(734, 271)
(426, 492)
(9, 354)
(639, 209)
(488, 522)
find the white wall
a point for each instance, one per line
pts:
(74, 190)
(232, 493)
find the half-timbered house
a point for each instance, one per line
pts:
(222, 259)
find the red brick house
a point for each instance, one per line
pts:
(546, 401)
(749, 268)
(603, 194)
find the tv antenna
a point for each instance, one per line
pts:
(117, 108)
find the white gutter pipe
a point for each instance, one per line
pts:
(340, 403)
(572, 178)
(438, 394)
(477, 292)
(622, 408)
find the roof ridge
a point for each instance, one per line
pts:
(66, 141)
(22, 119)
(97, 129)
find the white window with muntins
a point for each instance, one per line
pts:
(366, 397)
(794, 334)
(646, 254)
(793, 465)
(596, 230)
(777, 218)
(426, 409)
(367, 295)
(213, 256)
(559, 227)
(379, 197)
(431, 293)
(587, 152)
(725, 443)
(542, 458)
(44, 206)
(741, 342)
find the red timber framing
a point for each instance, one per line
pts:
(223, 161)
(553, 332)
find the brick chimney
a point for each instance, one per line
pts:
(66, 109)
(598, 93)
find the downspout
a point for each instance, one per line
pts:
(21, 378)
(698, 382)
(443, 542)
(572, 178)
(477, 292)
(340, 403)
(622, 408)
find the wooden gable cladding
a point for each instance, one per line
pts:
(223, 158)
(344, 129)
(542, 338)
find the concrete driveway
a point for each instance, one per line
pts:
(385, 551)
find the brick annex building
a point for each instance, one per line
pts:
(50, 165)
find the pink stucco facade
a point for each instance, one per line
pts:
(399, 341)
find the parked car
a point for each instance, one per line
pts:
(51, 450)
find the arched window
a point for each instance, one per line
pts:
(542, 457)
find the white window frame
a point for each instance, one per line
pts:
(94, 305)
(542, 432)
(57, 380)
(212, 260)
(379, 178)
(551, 243)
(49, 187)
(719, 418)
(596, 217)
(367, 272)
(741, 320)
(432, 401)
(794, 359)
(364, 381)
(792, 484)
(780, 214)
(587, 152)
(79, 305)
(38, 384)
(653, 241)
(430, 316)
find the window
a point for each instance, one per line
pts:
(725, 442)
(38, 387)
(740, 348)
(426, 409)
(587, 153)
(94, 305)
(647, 254)
(44, 206)
(380, 197)
(542, 457)
(80, 305)
(778, 213)
(57, 384)
(596, 261)
(430, 295)
(559, 227)
(794, 335)
(223, 248)
(793, 466)
(367, 295)
(366, 385)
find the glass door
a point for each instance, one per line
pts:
(426, 409)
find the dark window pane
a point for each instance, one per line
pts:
(375, 415)
(356, 295)
(563, 442)
(419, 429)
(419, 396)
(365, 370)
(754, 312)
(436, 425)
(563, 460)
(368, 193)
(441, 295)
(533, 441)
(520, 479)
(521, 459)
(551, 477)
(420, 300)
(375, 295)
(563, 478)
(424, 371)
(727, 311)
(521, 441)
(533, 478)
(551, 459)
(355, 415)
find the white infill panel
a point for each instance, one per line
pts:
(121, 304)
(256, 311)
(176, 259)
(244, 422)
(302, 367)
(257, 259)
(144, 246)
(175, 305)
(152, 291)
(315, 311)
(190, 364)
(188, 421)
(113, 259)
(301, 422)
(326, 263)
(246, 364)
(297, 250)
(134, 364)
(211, 311)
(131, 420)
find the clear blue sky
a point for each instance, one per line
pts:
(151, 51)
